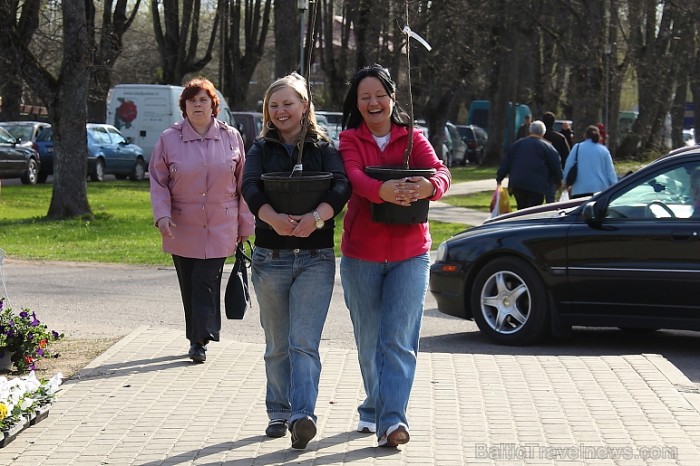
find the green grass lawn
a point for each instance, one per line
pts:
(121, 231)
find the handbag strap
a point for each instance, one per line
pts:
(241, 255)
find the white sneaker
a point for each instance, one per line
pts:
(366, 427)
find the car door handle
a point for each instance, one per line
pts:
(684, 235)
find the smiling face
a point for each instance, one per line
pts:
(199, 109)
(286, 109)
(375, 105)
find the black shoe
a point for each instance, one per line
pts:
(276, 428)
(303, 430)
(197, 353)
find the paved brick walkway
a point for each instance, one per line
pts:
(143, 403)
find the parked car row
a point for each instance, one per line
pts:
(109, 153)
(462, 143)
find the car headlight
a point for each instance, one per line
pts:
(441, 252)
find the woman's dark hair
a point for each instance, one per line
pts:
(192, 88)
(351, 114)
(593, 133)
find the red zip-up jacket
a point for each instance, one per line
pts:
(380, 242)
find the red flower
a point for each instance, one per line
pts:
(127, 112)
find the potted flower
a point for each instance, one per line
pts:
(23, 338)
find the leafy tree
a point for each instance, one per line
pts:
(654, 44)
(178, 41)
(247, 26)
(24, 23)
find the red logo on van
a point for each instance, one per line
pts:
(125, 114)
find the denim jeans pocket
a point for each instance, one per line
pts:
(261, 255)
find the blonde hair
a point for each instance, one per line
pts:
(297, 83)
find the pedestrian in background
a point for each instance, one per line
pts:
(195, 182)
(595, 166)
(568, 133)
(532, 166)
(524, 129)
(384, 267)
(293, 269)
(562, 146)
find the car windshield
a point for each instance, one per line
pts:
(116, 136)
(5, 137)
(99, 135)
(660, 195)
(23, 132)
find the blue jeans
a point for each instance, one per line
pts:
(293, 289)
(386, 300)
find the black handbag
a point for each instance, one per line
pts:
(573, 171)
(237, 296)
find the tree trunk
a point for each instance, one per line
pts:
(287, 37)
(587, 98)
(69, 115)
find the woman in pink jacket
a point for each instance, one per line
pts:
(384, 268)
(196, 174)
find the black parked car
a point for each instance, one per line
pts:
(475, 138)
(627, 257)
(17, 161)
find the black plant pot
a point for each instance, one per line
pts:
(297, 194)
(387, 212)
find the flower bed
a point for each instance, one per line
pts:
(24, 401)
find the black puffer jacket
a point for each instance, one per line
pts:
(270, 155)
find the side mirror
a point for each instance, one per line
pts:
(590, 214)
(129, 140)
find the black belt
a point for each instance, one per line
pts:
(276, 252)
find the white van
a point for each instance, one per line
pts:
(143, 111)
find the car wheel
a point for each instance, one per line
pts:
(99, 173)
(139, 171)
(32, 174)
(509, 302)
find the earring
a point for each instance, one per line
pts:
(270, 125)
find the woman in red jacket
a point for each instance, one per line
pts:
(384, 268)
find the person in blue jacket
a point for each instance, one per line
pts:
(595, 166)
(530, 164)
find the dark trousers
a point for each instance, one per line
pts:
(525, 198)
(200, 288)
